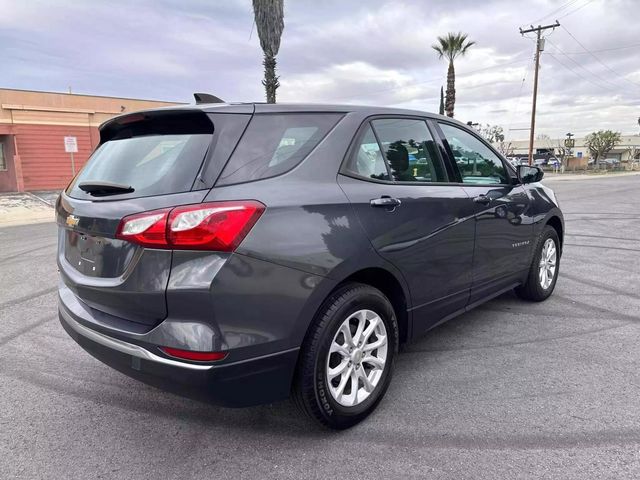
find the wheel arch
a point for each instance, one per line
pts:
(392, 288)
(555, 222)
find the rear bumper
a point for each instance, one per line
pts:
(244, 383)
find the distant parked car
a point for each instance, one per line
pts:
(605, 161)
(515, 161)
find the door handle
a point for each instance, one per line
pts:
(482, 199)
(385, 201)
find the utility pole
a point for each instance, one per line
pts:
(539, 48)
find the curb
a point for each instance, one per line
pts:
(41, 199)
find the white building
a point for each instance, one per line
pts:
(622, 151)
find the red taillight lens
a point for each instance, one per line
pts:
(195, 356)
(219, 226)
(148, 229)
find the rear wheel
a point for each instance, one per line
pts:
(543, 273)
(347, 358)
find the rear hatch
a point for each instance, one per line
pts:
(145, 161)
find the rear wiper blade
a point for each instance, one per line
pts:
(104, 188)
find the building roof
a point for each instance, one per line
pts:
(48, 92)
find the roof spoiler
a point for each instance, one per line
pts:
(206, 98)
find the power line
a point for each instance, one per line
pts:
(576, 9)
(603, 50)
(598, 59)
(514, 112)
(601, 79)
(601, 86)
(582, 77)
(582, 67)
(555, 11)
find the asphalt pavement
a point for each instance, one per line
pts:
(511, 390)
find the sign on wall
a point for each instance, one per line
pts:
(71, 144)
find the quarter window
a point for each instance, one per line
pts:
(475, 161)
(367, 160)
(409, 150)
(275, 143)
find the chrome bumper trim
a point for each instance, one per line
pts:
(125, 347)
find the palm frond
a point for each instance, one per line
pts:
(452, 45)
(466, 47)
(269, 17)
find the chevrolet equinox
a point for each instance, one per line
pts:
(244, 253)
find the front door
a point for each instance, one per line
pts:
(398, 186)
(8, 181)
(503, 230)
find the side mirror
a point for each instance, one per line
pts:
(529, 173)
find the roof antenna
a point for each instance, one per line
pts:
(206, 98)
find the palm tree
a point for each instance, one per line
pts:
(269, 18)
(452, 46)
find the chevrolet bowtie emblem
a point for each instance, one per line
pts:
(72, 220)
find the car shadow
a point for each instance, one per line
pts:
(98, 384)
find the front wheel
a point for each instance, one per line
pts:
(347, 359)
(543, 272)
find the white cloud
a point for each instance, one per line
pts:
(349, 83)
(374, 52)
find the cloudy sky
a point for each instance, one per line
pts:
(339, 51)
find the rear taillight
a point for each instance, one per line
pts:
(212, 226)
(219, 226)
(148, 229)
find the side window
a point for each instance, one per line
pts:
(367, 160)
(275, 143)
(476, 162)
(409, 150)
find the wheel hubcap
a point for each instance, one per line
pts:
(357, 358)
(547, 267)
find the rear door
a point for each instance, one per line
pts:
(398, 185)
(503, 230)
(145, 161)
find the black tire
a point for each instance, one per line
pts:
(310, 389)
(532, 290)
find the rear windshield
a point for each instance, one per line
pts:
(275, 143)
(150, 164)
(157, 152)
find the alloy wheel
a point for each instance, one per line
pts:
(357, 358)
(547, 266)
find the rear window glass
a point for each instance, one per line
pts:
(275, 143)
(150, 164)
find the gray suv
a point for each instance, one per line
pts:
(243, 253)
